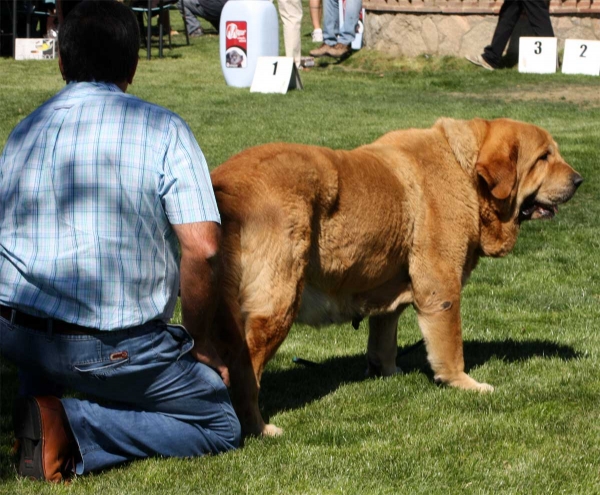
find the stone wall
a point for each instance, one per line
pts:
(459, 28)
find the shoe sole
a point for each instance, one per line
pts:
(27, 422)
(480, 64)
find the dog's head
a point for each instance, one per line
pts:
(519, 171)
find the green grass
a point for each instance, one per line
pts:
(530, 320)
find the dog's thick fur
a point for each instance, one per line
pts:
(324, 236)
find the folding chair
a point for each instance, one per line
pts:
(150, 9)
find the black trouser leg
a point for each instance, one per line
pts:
(507, 20)
(539, 17)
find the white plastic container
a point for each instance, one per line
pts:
(249, 29)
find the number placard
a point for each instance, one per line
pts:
(275, 75)
(538, 55)
(582, 57)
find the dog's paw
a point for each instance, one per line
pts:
(465, 382)
(484, 387)
(271, 431)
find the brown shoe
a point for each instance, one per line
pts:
(322, 51)
(340, 50)
(47, 446)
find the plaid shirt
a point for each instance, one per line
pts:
(90, 184)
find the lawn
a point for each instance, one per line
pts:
(529, 320)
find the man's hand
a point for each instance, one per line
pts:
(199, 270)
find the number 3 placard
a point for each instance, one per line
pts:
(275, 75)
(537, 55)
(582, 57)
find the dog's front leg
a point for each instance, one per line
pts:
(438, 311)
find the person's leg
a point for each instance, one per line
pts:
(507, 20)
(185, 413)
(348, 30)
(331, 23)
(331, 18)
(316, 13)
(291, 18)
(163, 402)
(188, 9)
(539, 17)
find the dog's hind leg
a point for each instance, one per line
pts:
(265, 332)
(271, 285)
(382, 346)
(233, 349)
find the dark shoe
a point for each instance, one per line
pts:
(322, 51)
(47, 446)
(197, 33)
(340, 50)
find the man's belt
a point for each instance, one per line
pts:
(44, 324)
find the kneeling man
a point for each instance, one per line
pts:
(99, 193)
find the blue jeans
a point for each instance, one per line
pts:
(150, 396)
(331, 24)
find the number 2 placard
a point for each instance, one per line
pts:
(582, 57)
(275, 75)
(537, 55)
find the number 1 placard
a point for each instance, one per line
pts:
(537, 55)
(582, 57)
(275, 75)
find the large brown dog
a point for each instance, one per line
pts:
(324, 236)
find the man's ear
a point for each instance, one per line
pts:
(497, 164)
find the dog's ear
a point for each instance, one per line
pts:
(497, 162)
(464, 137)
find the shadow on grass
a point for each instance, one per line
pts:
(295, 387)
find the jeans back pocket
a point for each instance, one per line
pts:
(105, 366)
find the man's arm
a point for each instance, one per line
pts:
(199, 273)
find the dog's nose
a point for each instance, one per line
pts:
(577, 180)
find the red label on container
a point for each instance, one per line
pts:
(236, 44)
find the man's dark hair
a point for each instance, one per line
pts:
(99, 41)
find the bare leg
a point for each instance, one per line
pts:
(316, 13)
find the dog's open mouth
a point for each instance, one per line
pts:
(533, 210)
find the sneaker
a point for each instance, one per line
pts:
(322, 51)
(480, 61)
(45, 442)
(339, 51)
(317, 36)
(197, 33)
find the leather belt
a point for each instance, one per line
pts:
(44, 324)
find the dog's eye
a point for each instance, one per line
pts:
(544, 156)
